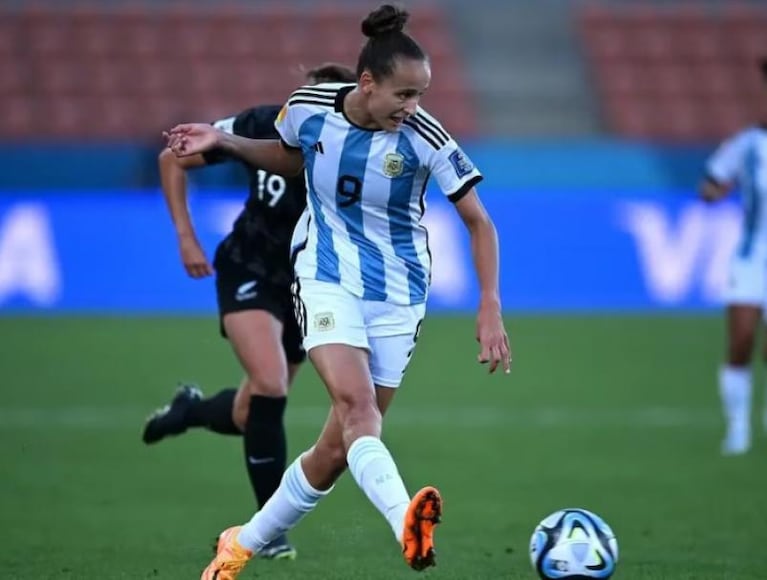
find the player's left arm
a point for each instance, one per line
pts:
(491, 334)
(712, 190)
(722, 168)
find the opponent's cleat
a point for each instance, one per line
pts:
(278, 549)
(423, 513)
(171, 419)
(230, 558)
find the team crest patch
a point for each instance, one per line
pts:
(394, 165)
(324, 321)
(461, 163)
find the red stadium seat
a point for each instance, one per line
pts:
(20, 117)
(13, 77)
(120, 69)
(675, 73)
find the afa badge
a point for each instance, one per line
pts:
(394, 165)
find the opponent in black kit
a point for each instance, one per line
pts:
(253, 277)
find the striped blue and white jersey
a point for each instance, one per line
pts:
(365, 195)
(742, 160)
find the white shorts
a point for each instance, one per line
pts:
(747, 279)
(329, 314)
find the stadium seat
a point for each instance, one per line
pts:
(128, 64)
(696, 64)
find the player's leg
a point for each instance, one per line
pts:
(349, 371)
(256, 337)
(307, 480)
(744, 297)
(294, 498)
(764, 359)
(241, 399)
(265, 480)
(393, 332)
(188, 409)
(735, 384)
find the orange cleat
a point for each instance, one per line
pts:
(230, 558)
(423, 514)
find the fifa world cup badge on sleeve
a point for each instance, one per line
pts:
(394, 165)
(461, 163)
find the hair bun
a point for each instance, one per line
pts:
(387, 19)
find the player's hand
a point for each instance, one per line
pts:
(192, 138)
(492, 337)
(193, 258)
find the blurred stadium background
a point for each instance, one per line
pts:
(591, 122)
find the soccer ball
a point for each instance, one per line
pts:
(573, 543)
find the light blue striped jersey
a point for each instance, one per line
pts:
(742, 160)
(365, 194)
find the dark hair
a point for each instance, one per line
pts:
(330, 72)
(763, 66)
(386, 42)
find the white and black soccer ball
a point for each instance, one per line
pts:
(573, 543)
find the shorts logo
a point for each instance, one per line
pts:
(324, 321)
(246, 291)
(461, 163)
(394, 165)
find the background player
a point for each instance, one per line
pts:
(363, 272)
(742, 160)
(253, 278)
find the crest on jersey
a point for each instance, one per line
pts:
(394, 165)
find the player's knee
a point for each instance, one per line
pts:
(355, 411)
(268, 384)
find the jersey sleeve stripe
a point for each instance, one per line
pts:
(435, 134)
(318, 89)
(431, 122)
(425, 136)
(464, 189)
(314, 94)
(311, 95)
(306, 101)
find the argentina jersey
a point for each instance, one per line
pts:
(743, 160)
(365, 195)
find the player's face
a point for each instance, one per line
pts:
(394, 98)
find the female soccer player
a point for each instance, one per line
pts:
(362, 272)
(742, 159)
(253, 279)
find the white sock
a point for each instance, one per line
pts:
(293, 499)
(735, 390)
(374, 470)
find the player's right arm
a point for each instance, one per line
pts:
(723, 167)
(174, 188)
(269, 154)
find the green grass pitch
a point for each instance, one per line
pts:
(617, 414)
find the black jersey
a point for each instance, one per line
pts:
(260, 238)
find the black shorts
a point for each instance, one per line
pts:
(238, 289)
